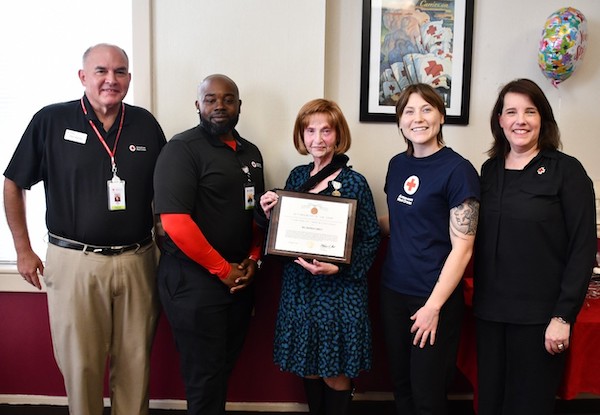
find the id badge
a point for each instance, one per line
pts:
(116, 194)
(249, 196)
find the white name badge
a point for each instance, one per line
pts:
(116, 194)
(75, 136)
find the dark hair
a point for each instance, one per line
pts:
(549, 138)
(428, 94)
(335, 117)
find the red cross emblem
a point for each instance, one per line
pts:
(411, 185)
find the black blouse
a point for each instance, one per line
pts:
(536, 240)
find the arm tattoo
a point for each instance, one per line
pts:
(464, 217)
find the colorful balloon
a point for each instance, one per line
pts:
(562, 45)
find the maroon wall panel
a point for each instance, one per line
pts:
(27, 364)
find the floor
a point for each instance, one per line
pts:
(457, 407)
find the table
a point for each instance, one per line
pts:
(582, 370)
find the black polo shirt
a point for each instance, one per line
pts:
(199, 175)
(60, 148)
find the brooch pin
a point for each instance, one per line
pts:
(541, 170)
(336, 188)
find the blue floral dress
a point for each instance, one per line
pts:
(323, 325)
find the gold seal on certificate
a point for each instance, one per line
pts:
(311, 226)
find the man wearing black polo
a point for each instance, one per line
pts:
(96, 157)
(205, 184)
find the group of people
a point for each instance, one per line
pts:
(529, 220)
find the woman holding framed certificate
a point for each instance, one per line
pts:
(323, 332)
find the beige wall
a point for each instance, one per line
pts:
(506, 35)
(283, 53)
(273, 49)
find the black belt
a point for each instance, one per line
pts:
(102, 250)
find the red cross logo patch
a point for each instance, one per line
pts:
(411, 185)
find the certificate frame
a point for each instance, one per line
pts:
(297, 217)
(416, 41)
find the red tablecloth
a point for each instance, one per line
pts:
(582, 372)
(467, 350)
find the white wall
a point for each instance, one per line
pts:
(283, 53)
(41, 53)
(274, 50)
(506, 36)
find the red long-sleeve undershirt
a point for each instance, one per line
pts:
(188, 237)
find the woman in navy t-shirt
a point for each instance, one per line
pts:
(433, 204)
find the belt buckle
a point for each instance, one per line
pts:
(114, 250)
(108, 251)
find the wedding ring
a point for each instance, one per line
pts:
(560, 346)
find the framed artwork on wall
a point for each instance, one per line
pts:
(416, 41)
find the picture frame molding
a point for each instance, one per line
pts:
(458, 111)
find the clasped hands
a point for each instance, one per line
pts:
(241, 275)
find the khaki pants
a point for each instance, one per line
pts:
(103, 307)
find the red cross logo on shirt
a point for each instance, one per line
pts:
(411, 185)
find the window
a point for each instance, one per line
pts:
(42, 47)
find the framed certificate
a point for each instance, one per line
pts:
(312, 226)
